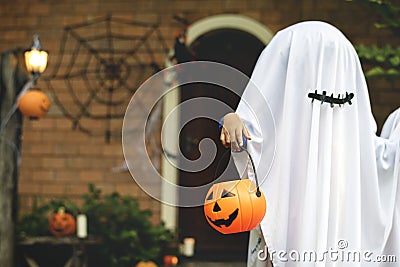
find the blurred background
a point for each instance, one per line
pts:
(100, 52)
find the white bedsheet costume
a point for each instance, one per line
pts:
(333, 190)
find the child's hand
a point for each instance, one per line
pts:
(232, 131)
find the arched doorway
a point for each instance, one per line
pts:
(230, 40)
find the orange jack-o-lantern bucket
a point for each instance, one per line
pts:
(235, 206)
(34, 104)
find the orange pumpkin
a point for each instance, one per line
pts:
(62, 223)
(170, 260)
(34, 104)
(146, 264)
(234, 206)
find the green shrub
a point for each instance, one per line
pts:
(126, 232)
(382, 61)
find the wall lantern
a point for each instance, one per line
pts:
(34, 103)
(36, 63)
(36, 58)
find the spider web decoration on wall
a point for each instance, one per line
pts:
(101, 64)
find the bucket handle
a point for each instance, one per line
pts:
(258, 192)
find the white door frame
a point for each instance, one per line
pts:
(169, 214)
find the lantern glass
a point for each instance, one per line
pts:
(36, 60)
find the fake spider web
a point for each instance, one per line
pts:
(100, 66)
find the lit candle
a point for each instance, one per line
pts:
(81, 229)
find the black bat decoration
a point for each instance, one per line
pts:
(331, 99)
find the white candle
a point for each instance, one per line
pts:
(188, 246)
(81, 228)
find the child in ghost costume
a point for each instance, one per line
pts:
(332, 186)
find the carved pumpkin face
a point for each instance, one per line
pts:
(34, 104)
(62, 223)
(233, 207)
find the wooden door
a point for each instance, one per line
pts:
(240, 50)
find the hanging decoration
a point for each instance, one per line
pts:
(101, 64)
(34, 104)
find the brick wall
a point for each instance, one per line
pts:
(59, 162)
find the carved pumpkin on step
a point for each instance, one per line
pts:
(234, 206)
(62, 223)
